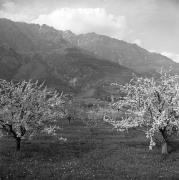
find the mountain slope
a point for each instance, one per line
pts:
(123, 53)
(44, 54)
(10, 62)
(27, 38)
(30, 38)
(69, 62)
(72, 70)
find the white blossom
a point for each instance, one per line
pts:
(152, 104)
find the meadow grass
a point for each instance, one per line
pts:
(89, 153)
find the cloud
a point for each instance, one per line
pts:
(18, 10)
(172, 56)
(138, 42)
(11, 11)
(84, 20)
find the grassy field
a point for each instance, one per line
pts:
(99, 153)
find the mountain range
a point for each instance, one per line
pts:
(70, 62)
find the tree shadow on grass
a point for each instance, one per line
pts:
(56, 151)
(46, 150)
(136, 144)
(173, 146)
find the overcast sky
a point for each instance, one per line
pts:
(152, 24)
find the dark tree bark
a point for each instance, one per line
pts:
(9, 129)
(18, 143)
(69, 119)
(165, 148)
(165, 142)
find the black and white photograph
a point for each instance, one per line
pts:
(89, 89)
